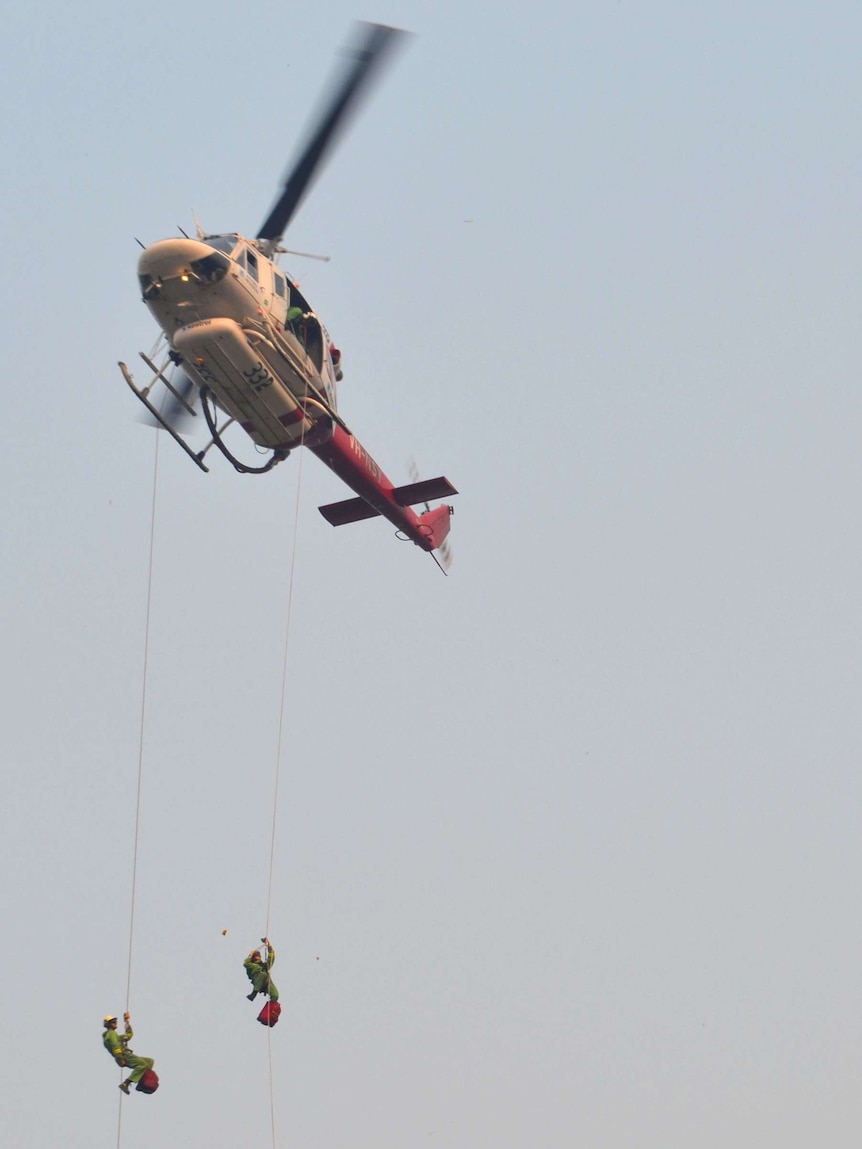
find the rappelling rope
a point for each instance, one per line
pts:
(283, 695)
(141, 748)
(278, 756)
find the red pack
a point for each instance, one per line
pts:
(149, 1082)
(270, 1013)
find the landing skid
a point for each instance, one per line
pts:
(143, 393)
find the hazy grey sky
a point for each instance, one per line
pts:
(566, 842)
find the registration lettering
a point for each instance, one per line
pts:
(367, 462)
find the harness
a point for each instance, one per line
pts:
(119, 1053)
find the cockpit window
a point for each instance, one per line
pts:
(150, 287)
(224, 243)
(211, 268)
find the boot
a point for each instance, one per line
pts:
(124, 1085)
(251, 996)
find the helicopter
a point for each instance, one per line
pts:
(239, 338)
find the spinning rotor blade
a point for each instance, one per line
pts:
(175, 408)
(377, 41)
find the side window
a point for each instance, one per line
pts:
(279, 284)
(251, 260)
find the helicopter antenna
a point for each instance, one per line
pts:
(138, 242)
(185, 233)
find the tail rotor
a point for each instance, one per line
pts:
(444, 562)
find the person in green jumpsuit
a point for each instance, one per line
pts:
(257, 969)
(118, 1046)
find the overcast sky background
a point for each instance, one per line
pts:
(567, 843)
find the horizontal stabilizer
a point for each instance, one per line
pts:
(347, 511)
(423, 491)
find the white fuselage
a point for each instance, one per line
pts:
(223, 306)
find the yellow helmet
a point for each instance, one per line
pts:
(110, 1017)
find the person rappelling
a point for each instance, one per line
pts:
(117, 1044)
(257, 969)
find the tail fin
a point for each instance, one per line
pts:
(435, 525)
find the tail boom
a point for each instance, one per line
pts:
(345, 455)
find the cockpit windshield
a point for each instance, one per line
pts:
(224, 243)
(211, 268)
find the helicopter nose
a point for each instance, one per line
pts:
(169, 258)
